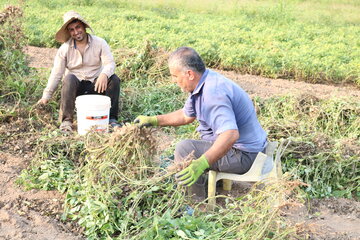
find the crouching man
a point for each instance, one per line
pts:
(88, 65)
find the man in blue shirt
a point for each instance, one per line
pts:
(231, 135)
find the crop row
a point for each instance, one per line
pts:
(269, 40)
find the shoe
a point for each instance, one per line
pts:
(114, 123)
(188, 210)
(66, 127)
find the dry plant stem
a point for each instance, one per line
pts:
(178, 166)
(127, 151)
(34, 111)
(17, 102)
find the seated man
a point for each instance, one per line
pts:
(89, 68)
(230, 131)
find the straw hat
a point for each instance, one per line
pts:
(63, 34)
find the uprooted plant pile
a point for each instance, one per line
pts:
(17, 81)
(12, 60)
(114, 188)
(325, 150)
(12, 41)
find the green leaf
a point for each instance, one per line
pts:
(181, 234)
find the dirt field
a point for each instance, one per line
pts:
(36, 214)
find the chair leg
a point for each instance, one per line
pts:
(212, 189)
(278, 198)
(278, 170)
(227, 184)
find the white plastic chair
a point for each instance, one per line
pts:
(264, 166)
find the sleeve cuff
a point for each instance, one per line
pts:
(46, 96)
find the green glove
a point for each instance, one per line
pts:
(190, 175)
(145, 121)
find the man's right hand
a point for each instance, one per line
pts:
(146, 121)
(43, 101)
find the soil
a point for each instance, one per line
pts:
(31, 214)
(253, 85)
(36, 214)
(327, 219)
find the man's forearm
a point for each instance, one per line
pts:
(108, 69)
(222, 145)
(176, 118)
(50, 87)
(57, 73)
(53, 81)
(107, 60)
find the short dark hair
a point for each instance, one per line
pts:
(75, 21)
(188, 58)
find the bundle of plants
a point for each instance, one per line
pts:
(12, 61)
(12, 40)
(43, 117)
(114, 189)
(325, 133)
(147, 215)
(18, 83)
(9, 103)
(324, 168)
(119, 189)
(145, 65)
(129, 149)
(291, 115)
(256, 214)
(54, 162)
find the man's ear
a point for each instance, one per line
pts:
(191, 74)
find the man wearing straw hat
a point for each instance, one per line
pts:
(231, 135)
(88, 67)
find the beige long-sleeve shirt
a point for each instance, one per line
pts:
(97, 59)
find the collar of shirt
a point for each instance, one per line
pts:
(200, 84)
(73, 43)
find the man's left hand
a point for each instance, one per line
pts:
(190, 175)
(101, 83)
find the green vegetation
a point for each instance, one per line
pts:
(325, 141)
(114, 188)
(12, 62)
(116, 191)
(315, 41)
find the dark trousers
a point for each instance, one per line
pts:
(73, 87)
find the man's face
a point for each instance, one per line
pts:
(181, 78)
(77, 31)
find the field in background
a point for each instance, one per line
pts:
(325, 133)
(315, 41)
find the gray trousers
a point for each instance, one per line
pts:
(235, 160)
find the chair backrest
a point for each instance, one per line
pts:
(270, 148)
(269, 162)
(280, 152)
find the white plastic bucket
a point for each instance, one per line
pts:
(92, 112)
